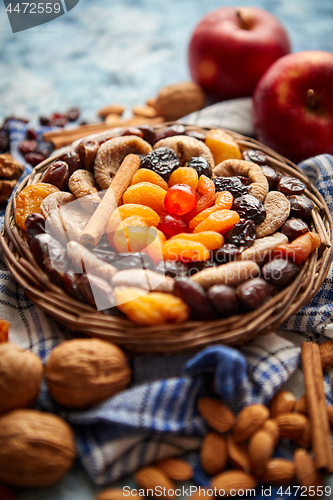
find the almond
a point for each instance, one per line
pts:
(291, 425)
(146, 111)
(306, 472)
(260, 450)
(272, 427)
(217, 415)
(282, 402)
(213, 453)
(237, 454)
(112, 119)
(116, 109)
(175, 468)
(279, 471)
(305, 440)
(201, 493)
(248, 421)
(179, 99)
(113, 494)
(233, 480)
(151, 477)
(301, 406)
(326, 354)
(330, 414)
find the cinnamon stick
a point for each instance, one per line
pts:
(316, 404)
(95, 228)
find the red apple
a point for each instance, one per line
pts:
(293, 105)
(232, 47)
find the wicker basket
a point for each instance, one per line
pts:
(191, 335)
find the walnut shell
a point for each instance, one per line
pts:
(84, 372)
(36, 449)
(20, 377)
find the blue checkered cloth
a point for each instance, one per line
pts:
(157, 417)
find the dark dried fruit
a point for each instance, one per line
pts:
(95, 287)
(242, 234)
(255, 156)
(132, 131)
(195, 297)
(133, 260)
(290, 185)
(70, 283)
(44, 245)
(300, 206)
(104, 251)
(201, 165)
(196, 267)
(55, 276)
(249, 207)
(224, 299)
(172, 268)
(196, 134)
(163, 133)
(4, 141)
(58, 122)
(280, 272)
(227, 253)
(254, 293)
(57, 174)
(34, 224)
(234, 185)
(44, 121)
(73, 161)
(163, 161)
(26, 146)
(272, 177)
(45, 148)
(87, 151)
(34, 158)
(73, 114)
(293, 228)
(149, 134)
(31, 134)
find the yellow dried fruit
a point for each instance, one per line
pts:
(222, 145)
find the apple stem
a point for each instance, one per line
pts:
(311, 99)
(242, 22)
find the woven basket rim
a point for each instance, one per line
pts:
(171, 338)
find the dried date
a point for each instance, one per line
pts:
(255, 156)
(280, 272)
(253, 293)
(300, 206)
(57, 174)
(195, 297)
(290, 186)
(293, 228)
(73, 161)
(34, 224)
(224, 299)
(87, 151)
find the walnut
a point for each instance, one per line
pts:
(84, 372)
(20, 377)
(10, 172)
(36, 449)
(6, 189)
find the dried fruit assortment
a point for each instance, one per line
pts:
(227, 230)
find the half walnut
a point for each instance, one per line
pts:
(10, 172)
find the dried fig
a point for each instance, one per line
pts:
(84, 372)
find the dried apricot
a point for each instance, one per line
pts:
(154, 242)
(146, 193)
(299, 249)
(206, 188)
(4, 329)
(130, 236)
(184, 175)
(129, 210)
(222, 145)
(201, 217)
(153, 308)
(29, 200)
(146, 175)
(224, 200)
(211, 239)
(220, 221)
(185, 250)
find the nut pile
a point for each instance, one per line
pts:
(226, 230)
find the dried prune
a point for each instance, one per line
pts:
(254, 292)
(255, 156)
(57, 174)
(280, 272)
(172, 268)
(224, 299)
(300, 206)
(34, 224)
(196, 267)
(70, 283)
(34, 158)
(44, 245)
(201, 165)
(289, 185)
(234, 185)
(133, 261)
(249, 207)
(176, 129)
(272, 176)
(163, 161)
(242, 234)
(293, 228)
(195, 297)
(73, 161)
(228, 252)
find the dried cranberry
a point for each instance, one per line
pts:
(255, 156)
(149, 134)
(293, 228)
(224, 299)
(31, 134)
(73, 161)
(132, 131)
(27, 146)
(290, 185)
(4, 141)
(249, 207)
(172, 268)
(162, 161)
(272, 176)
(195, 297)
(196, 134)
(300, 206)
(73, 114)
(254, 292)
(242, 234)
(34, 158)
(171, 131)
(34, 224)
(57, 174)
(44, 121)
(280, 272)
(201, 165)
(226, 253)
(232, 184)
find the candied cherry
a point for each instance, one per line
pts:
(180, 199)
(171, 225)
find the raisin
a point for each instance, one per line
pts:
(73, 161)
(133, 260)
(163, 161)
(300, 206)
(249, 207)
(254, 292)
(195, 297)
(242, 234)
(53, 272)
(172, 268)
(163, 133)
(280, 272)
(290, 186)
(234, 185)
(272, 177)
(226, 253)
(293, 228)
(34, 224)
(201, 165)
(255, 156)
(224, 299)
(46, 148)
